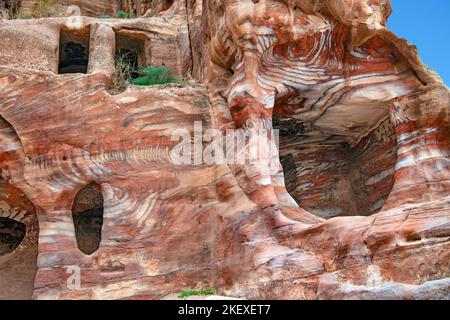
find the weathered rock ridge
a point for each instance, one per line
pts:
(358, 208)
(95, 8)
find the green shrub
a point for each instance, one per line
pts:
(203, 292)
(154, 76)
(121, 14)
(105, 17)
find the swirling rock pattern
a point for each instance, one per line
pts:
(364, 142)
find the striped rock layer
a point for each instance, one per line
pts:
(358, 208)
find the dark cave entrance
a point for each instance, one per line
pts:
(19, 227)
(130, 54)
(12, 233)
(87, 213)
(74, 51)
(328, 177)
(19, 236)
(18, 256)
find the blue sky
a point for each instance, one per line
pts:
(426, 24)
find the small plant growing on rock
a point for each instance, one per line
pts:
(4, 14)
(10, 9)
(122, 14)
(124, 72)
(154, 76)
(105, 17)
(204, 292)
(127, 72)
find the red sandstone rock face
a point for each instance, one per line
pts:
(97, 8)
(364, 141)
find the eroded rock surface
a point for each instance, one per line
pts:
(97, 8)
(359, 205)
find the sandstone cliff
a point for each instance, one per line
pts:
(358, 206)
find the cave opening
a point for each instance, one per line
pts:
(87, 214)
(130, 54)
(328, 176)
(12, 233)
(19, 237)
(74, 51)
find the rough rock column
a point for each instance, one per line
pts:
(102, 49)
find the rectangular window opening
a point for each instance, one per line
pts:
(130, 53)
(74, 50)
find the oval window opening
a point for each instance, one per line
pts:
(12, 233)
(87, 213)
